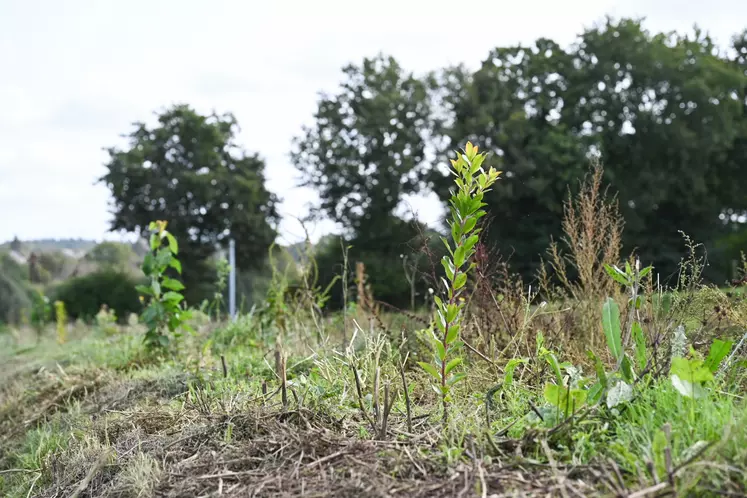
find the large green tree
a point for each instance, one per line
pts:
(510, 106)
(364, 152)
(733, 245)
(190, 171)
(665, 112)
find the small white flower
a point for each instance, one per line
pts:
(543, 304)
(430, 290)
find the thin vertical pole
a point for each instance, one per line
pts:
(232, 279)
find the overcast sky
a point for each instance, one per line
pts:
(75, 74)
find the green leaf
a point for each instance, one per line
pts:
(173, 245)
(539, 341)
(441, 320)
(455, 378)
(447, 287)
(594, 394)
(476, 163)
(174, 323)
(163, 258)
(430, 369)
(719, 350)
(452, 334)
(645, 272)
(176, 264)
(453, 363)
(172, 284)
(448, 247)
(553, 362)
(144, 289)
(154, 241)
(471, 242)
(456, 231)
(658, 448)
(156, 288)
(692, 370)
(460, 280)
(173, 297)
(627, 368)
(475, 204)
(617, 275)
(510, 368)
(599, 367)
(459, 255)
(448, 267)
(440, 351)
(611, 326)
(640, 345)
(148, 262)
(564, 398)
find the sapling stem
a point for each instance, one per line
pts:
(472, 182)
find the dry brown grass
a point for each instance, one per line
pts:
(506, 313)
(366, 302)
(574, 272)
(593, 228)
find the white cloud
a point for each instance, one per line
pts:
(77, 73)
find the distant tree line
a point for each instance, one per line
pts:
(666, 113)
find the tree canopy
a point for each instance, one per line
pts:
(365, 151)
(189, 170)
(665, 112)
(111, 255)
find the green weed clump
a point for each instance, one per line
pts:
(164, 316)
(85, 295)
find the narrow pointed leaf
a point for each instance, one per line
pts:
(616, 274)
(719, 350)
(455, 378)
(430, 369)
(611, 326)
(452, 364)
(640, 345)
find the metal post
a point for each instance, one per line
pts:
(232, 279)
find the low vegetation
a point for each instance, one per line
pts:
(597, 380)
